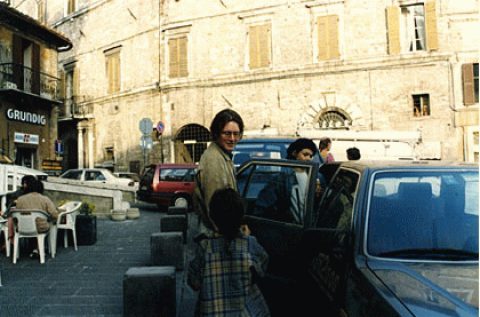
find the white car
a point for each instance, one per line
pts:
(10, 172)
(97, 175)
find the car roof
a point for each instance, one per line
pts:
(267, 140)
(175, 165)
(407, 164)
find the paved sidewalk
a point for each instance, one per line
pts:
(88, 282)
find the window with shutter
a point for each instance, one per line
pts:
(112, 65)
(412, 27)
(259, 40)
(178, 57)
(327, 34)
(470, 83)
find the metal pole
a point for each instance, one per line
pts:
(144, 152)
(161, 148)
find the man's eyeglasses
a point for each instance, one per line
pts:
(229, 134)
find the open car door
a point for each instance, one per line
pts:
(279, 197)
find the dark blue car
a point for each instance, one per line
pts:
(385, 239)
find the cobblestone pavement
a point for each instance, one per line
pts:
(88, 282)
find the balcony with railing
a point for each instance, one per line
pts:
(76, 107)
(25, 79)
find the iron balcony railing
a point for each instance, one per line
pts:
(17, 76)
(76, 107)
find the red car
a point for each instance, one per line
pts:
(167, 185)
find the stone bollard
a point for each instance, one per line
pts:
(173, 210)
(172, 223)
(166, 248)
(133, 213)
(149, 291)
(118, 214)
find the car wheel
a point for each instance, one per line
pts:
(180, 201)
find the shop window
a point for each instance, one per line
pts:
(259, 40)
(178, 57)
(470, 83)
(421, 105)
(328, 47)
(112, 68)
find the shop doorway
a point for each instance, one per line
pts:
(25, 157)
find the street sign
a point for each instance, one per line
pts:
(146, 142)
(160, 127)
(146, 126)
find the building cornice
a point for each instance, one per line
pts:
(311, 70)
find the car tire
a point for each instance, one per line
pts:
(180, 201)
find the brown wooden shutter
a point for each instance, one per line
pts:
(35, 68)
(173, 58)
(264, 36)
(393, 29)
(76, 83)
(333, 49)
(116, 72)
(322, 27)
(17, 57)
(182, 57)
(468, 87)
(431, 25)
(253, 46)
(61, 84)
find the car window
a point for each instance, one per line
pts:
(173, 174)
(94, 176)
(148, 175)
(421, 210)
(337, 206)
(275, 192)
(73, 175)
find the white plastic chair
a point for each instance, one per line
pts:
(66, 221)
(4, 229)
(26, 227)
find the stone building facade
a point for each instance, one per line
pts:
(110, 80)
(29, 99)
(403, 72)
(400, 70)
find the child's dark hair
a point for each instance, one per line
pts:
(226, 211)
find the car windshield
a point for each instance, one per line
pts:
(424, 215)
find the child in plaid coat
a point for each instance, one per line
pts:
(226, 263)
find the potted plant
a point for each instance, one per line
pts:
(86, 224)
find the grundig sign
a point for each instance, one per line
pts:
(25, 116)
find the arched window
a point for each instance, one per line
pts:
(193, 138)
(334, 118)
